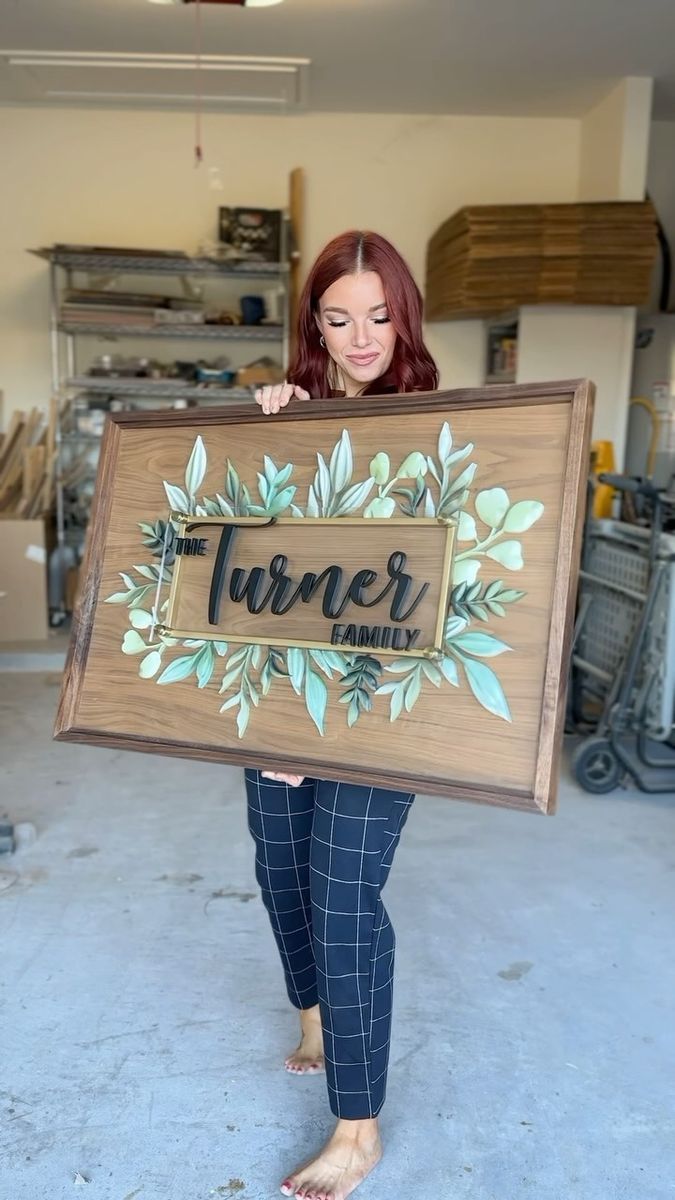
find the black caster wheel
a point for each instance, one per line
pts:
(596, 767)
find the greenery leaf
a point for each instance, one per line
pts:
(486, 688)
(322, 484)
(508, 554)
(429, 506)
(225, 508)
(353, 499)
(179, 669)
(230, 703)
(412, 466)
(381, 506)
(380, 468)
(220, 648)
(341, 462)
(492, 506)
(196, 468)
(453, 626)
(132, 643)
(296, 667)
(316, 696)
(482, 644)
(466, 530)
(243, 716)
(412, 691)
(466, 571)
(150, 665)
(176, 497)
(206, 661)
(444, 443)
(281, 502)
(449, 668)
(140, 619)
(522, 516)
(312, 503)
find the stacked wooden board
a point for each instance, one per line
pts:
(491, 259)
(27, 464)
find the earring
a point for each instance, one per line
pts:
(322, 341)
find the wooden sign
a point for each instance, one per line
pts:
(377, 590)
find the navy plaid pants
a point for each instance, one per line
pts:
(323, 853)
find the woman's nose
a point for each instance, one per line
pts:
(361, 336)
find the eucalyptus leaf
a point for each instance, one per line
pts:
(466, 571)
(508, 554)
(149, 666)
(492, 506)
(176, 497)
(179, 669)
(381, 506)
(484, 645)
(140, 619)
(316, 696)
(132, 643)
(466, 530)
(412, 466)
(380, 468)
(486, 688)
(522, 516)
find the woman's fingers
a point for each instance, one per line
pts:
(272, 398)
(280, 777)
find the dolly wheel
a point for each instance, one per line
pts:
(596, 766)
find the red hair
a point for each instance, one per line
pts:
(412, 368)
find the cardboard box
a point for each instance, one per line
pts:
(23, 581)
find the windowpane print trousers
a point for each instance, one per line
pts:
(323, 853)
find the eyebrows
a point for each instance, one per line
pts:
(345, 311)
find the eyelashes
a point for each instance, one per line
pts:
(376, 321)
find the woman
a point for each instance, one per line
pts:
(324, 849)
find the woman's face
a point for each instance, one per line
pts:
(359, 336)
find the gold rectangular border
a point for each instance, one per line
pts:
(435, 651)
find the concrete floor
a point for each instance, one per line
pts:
(145, 1021)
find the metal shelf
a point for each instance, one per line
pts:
(157, 389)
(232, 333)
(156, 264)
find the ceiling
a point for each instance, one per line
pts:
(507, 57)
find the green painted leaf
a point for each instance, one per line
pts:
(176, 497)
(432, 672)
(140, 619)
(270, 469)
(381, 506)
(179, 669)
(396, 703)
(296, 667)
(147, 572)
(243, 717)
(522, 516)
(492, 506)
(444, 443)
(118, 598)
(149, 666)
(137, 597)
(466, 531)
(412, 466)
(238, 656)
(196, 468)
(323, 484)
(466, 571)
(508, 554)
(225, 509)
(206, 661)
(231, 702)
(380, 468)
(462, 481)
(312, 502)
(386, 688)
(399, 665)
(341, 463)
(148, 530)
(296, 512)
(432, 469)
(220, 648)
(282, 501)
(493, 589)
(132, 643)
(353, 713)
(486, 688)
(453, 626)
(263, 487)
(482, 644)
(449, 668)
(510, 595)
(354, 498)
(460, 455)
(316, 696)
(283, 475)
(412, 691)
(194, 642)
(429, 506)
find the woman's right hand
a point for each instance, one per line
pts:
(272, 398)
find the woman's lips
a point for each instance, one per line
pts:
(362, 360)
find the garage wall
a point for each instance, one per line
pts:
(99, 176)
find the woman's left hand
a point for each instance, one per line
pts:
(279, 777)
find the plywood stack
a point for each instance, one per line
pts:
(27, 464)
(491, 259)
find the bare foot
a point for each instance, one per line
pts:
(308, 1058)
(343, 1163)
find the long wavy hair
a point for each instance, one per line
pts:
(412, 368)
